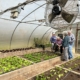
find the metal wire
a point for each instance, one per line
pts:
(24, 3)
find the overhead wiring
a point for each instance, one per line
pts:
(21, 4)
(22, 22)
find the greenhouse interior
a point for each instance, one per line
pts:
(39, 39)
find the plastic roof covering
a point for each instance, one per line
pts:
(59, 22)
(17, 34)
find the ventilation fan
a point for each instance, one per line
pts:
(66, 9)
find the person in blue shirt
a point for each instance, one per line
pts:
(71, 43)
(53, 40)
(65, 45)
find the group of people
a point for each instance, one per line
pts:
(64, 45)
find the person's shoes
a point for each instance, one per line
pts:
(70, 58)
(63, 59)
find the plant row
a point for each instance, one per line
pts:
(12, 63)
(66, 71)
(40, 56)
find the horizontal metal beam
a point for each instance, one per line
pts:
(24, 3)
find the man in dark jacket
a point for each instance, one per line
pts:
(65, 45)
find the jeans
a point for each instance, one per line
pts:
(70, 51)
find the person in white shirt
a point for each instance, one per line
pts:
(71, 43)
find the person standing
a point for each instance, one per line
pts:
(71, 43)
(53, 40)
(65, 45)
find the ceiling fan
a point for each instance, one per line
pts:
(57, 8)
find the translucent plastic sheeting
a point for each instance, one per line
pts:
(38, 33)
(23, 36)
(20, 32)
(6, 29)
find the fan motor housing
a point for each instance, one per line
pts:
(56, 10)
(55, 2)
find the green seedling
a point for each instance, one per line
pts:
(48, 77)
(43, 78)
(51, 75)
(70, 68)
(60, 75)
(65, 71)
(57, 79)
(55, 73)
(51, 70)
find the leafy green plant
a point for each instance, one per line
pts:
(56, 73)
(12, 63)
(65, 71)
(39, 56)
(38, 42)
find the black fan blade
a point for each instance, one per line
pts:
(66, 16)
(62, 3)
(51, 17)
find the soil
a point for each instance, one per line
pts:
(55, 74)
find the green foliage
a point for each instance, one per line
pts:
(55, 73)
(38, 42)
(39, 56)
(12, 63)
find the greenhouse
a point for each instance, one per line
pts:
(39, 39)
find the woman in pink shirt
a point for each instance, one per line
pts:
(58, 45)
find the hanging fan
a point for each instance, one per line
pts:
(61, 10)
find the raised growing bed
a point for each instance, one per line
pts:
(57, 73)
(16, 53)
(74, 64)
(12, 63)
(28, 72)
(40, 56)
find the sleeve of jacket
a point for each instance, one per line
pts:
(51, 39)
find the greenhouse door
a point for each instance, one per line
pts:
(78, 40)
